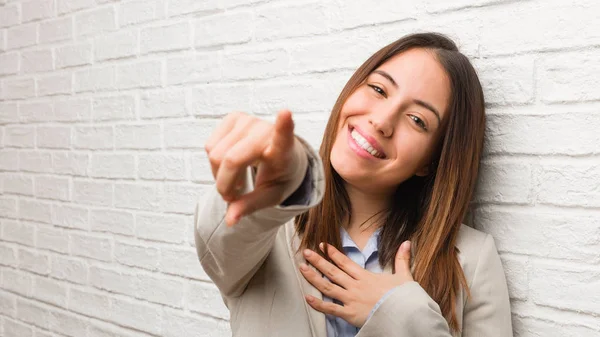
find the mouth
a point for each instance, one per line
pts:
(362, 146)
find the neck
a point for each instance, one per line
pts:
(367, 209)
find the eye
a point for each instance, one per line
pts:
(419, 122)
(378, 90)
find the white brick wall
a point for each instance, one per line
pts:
(105, 107)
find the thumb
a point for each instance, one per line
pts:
(251, 202)
(402, 261)
(283, 135)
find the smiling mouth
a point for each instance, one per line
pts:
(361, 142)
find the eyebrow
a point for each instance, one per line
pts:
(416, 101)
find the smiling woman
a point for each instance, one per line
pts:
(365, 237)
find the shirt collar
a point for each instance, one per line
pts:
(371, 246)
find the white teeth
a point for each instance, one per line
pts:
(360, 140)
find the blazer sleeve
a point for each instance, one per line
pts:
(410, 312)
(231, 256)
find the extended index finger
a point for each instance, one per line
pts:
(283, 135)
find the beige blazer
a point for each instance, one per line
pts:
(255, 266)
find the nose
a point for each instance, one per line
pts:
(383, 122)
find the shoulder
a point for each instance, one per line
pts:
(475, 248)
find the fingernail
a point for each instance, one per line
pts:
(303, 267)
(309, 298)
(321, 246)
(307, 252)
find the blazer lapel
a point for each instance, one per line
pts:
(316, 318)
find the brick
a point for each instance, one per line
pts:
(9, 113)
(20, 232)
(216, 99)
(225, 28)
(137, 315)
(93, 192)
(532, 27)
(90, 303)
(68, 324)
(36, 112)
(178, 7)
(20, 136)
(17, 281)
(278, 22)
(53, 137)
(75, 164)
(33, 313)
(513, 134)
(9, 63)
(181, 262)
(55, 84)
(112, 221)
(137, 196)
(69, 269)
(35, 210)
(56, 30)
(92, 247)
(139, 136)
(37, 10)
(351, 14)
(190, 135)
(94, 137)
(171, 37)
(507, 80)
(55, 188)
(52, 238)
(194, 69)
(73, 110)
(136, 256)
(568, 184)
(530, 326)
(18, 184)
(161, 290)
(113, 166)
(113, 108)
(21, 36)
(161, 228)
(70, 216)
(115, 281)
(19, 88)
(8, 303)
(432, 6)
(163, 103)
(99, 329)
(34, 262)
(50, 291)
(140, 11)
(139, 75)
(68, 6)
(9, 258)
(95, 79)
(37, 61)
(205, 298)
(9, 160)
(8, 207)
(96, 21)
(569, 77)
(504, 182)
(9, 15)
(73, 55)
(200, 168)
(117, 45)
(180, 198)
(161, 167)
(16, 328)
(251, 64)
(563, 286)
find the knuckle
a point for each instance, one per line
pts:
(330, 272)
(229, 161)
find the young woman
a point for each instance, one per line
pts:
(365, 237)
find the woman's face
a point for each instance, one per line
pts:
(396, 115)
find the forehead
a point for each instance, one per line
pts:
(420, 75)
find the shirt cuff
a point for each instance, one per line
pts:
(378, 304)
(303, 193)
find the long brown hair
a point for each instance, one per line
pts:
(427, 210)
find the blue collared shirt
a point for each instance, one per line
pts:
(368, 259)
